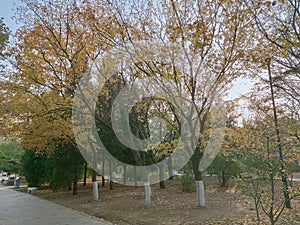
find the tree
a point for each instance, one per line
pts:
(225, 168)
(256, 147)
(188, 49)
(66, 166)
(10, 156)
(204, 44)
(61, 168)
(50, 63)
(4, 38)
(34, 168)
(270, 102)
(51, 55)
(282, 31)
(226, 164)
(279, 23)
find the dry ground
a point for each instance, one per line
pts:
(170, 206)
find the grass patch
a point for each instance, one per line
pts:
(22, 189)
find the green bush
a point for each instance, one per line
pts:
(66, 166)
(225, 168)
(34, 169)
(10, 156)
(188, 179)
(60, 168)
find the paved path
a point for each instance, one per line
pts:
(18, 208)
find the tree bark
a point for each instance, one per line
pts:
(95, 186)
(124, 177)
(170, 168)
(147, 191)
(284, 178)
(85, 172)
(95, 191)
(134, 174)
(110, 176)
(161, 178)
(223, 176)
(200, 195)
(75, 188)
(103, 179)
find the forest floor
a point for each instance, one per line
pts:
(124, 205)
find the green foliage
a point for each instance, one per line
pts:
(103, 121)
(293, 167)
(10, 157)
(188, 180)
(66, 165)
(113, 144)
(60, 168)
(225, 168)
(4, 35)
(138, 117)
(34, 168)
(4, 38)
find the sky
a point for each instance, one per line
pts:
(6, 11)
(240, 87)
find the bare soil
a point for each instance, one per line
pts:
(124, 205)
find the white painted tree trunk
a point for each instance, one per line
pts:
(95, 191)
(147, 193)
(200, 193)
(124, 175)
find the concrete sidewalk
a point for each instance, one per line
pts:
(18, 208)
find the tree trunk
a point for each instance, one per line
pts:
(147, 191)
(103, 179)
(161, 178)
(85, 172)
(256, 202)
(200, 193)
(170, 168)
(223, 184)
(284, 178)
(198, 178)
(95, 186)
(134, 174)
(124, 177)
(75, 188)
(110, 176)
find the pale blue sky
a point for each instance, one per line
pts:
(6, 11)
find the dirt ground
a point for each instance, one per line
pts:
(170, 206)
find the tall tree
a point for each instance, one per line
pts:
(10, 156)
(4, 38)
(279, 22)
(51, 55)
(201, 46)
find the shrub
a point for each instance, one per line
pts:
(188, 179)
